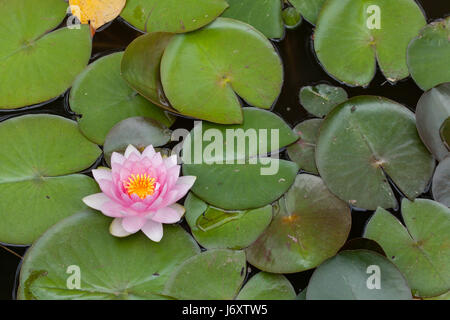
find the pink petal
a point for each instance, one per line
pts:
(131, 150)
(149, 152)
(113, 209)
(102, 174)
(153, 230)
(171, 161)
(171, 214)
(133, 224)
(117, 158)
(117, 230)
(96, 200)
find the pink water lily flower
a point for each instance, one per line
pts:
(140, 191)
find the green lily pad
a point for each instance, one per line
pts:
(303, 151)
(39, 155)
(320, 99)
(363, 243)
(309, 9)
(420, 250)
(103, 98)
(211, 275)
(141, 66)
(202, 72)
(175, 16)
(347, 277)
(25, 43)
(215, 228)
(364, 141)
(310, 224)
(110, 267)
(441, 182)
(429, 53)
(445, 133)
(349, 40)
(137, 131)
(267, 286)
(264, 15)
(261, 133)
(224, 158)
(291, 17)
(431, 111)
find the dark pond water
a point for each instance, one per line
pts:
(301, 69)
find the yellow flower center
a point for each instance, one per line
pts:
(141, 185)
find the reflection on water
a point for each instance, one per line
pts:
(301, 69)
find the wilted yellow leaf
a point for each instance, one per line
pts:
(96, 12)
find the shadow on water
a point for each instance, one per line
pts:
(301, 69)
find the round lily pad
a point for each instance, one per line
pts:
(267, 286)
(261, 133)
(351, 35)
(310, 224)
(352, 275)
(429, 53)
(140, 66)
(309, 9)
(264, 15)
(37, 65)
(110, 268)
(420, 250)
(364, 142)
(320, 99)
(242, 186)
(175, 16)
(211, 275)
(39, 155)
(302, 152)
(203, 72)
(432, 110)
(441, 182)
(215, 228)
(103, 98)
(224, 158)
(137, 131)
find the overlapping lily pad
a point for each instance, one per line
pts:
(202, 72)
(303, 151)
(109, 267)
(367, 140)
(39, 155)
(310, 225)
(215, 228)
(103, 98)
(230, 175)
(309, 9)
(37, 65)
(137, 131)
(441, 182)
(267, 286)
(320, 99)
(429, 54)
(210, 275)
(351, 35)
(264, 15)
(421, 249)
(352, 275)
(175, 16)
(432, 110)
